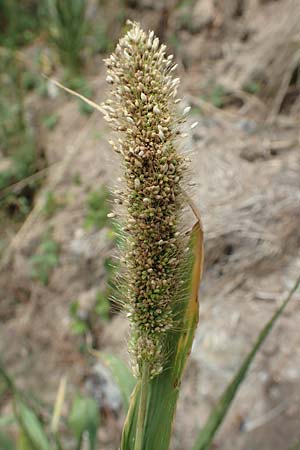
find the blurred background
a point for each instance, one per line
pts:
(239, 62)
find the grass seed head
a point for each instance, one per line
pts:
(142, 109)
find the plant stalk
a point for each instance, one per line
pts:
(142, 408)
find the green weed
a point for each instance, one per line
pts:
(45, 259)
(22, 164)
(102, 306)
(79, 325)
(68, 28)
(253, 87)
(12, 110)
(19, 22)
(76, 179)
(97, 209)
(217, 96)
(50, 121)
(80, 423)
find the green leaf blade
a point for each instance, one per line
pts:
(5, 442)
(85, 417)
(32, 427)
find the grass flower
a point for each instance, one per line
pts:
(142, 110)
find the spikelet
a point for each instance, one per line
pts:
(142, 109)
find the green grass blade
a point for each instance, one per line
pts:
(23, 442)
(5, 442)
(129, 429)
(7, 379)
(207, 434)
(32, 427)
(85, 417)
(163, 390)
(121, 375)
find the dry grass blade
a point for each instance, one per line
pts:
(76, 94)
(60, 397)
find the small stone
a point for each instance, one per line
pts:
(202, 15)
(137, 183)
(109, 79)
(100, 385)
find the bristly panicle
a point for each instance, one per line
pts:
(142, 109)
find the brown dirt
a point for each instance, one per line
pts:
(246, 183)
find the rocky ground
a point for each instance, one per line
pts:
(245, 179)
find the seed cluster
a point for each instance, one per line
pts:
(142, 108)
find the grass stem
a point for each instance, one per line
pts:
(142, 408)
